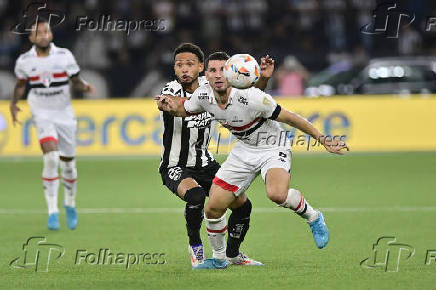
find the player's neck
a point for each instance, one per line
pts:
(222, 98)
(42, 51)
(190, 88)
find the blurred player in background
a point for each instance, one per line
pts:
(252, 116)
(48, 69)
(188, 168)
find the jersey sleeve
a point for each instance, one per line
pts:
(193, 104)
(72, 68)
(264, 104)
(19, 70)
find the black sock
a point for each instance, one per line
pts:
(194, 213)
(239, 222)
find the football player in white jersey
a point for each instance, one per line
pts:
(252, 116)
(187, 167)
(48, 69)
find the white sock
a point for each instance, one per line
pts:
(296, 201)
(50, 180)
(69, 179)
(216, 231)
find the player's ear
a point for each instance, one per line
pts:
(201, 66)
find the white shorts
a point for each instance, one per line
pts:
(244, 163)
(63, 133)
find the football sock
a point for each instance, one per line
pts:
(194, 198)
(239, 223)
(50, 180)
(296, 201)
(69, 179)
(216, 231)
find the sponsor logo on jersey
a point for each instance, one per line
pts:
(202, 120)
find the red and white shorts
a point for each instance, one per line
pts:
(63, 133)
(244, 163)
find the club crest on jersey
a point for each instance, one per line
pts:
(175, 173)
(45, 78)
(243, 100)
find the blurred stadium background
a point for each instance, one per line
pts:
(375, 90)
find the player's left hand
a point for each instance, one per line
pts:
(334, 145)
(266, 67)
(90, 89)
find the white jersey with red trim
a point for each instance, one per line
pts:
(249, 115)
(48, 77)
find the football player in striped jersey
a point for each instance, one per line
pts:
(187, 167)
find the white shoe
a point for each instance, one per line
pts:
(242, 260)
(197, 255)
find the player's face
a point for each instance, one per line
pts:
(215, 75)
(41, 36)
(187, 67)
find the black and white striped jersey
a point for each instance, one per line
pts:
(185, 140)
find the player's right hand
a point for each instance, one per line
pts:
(334, 145)
(14, 111)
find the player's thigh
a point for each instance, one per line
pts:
(47, 134)
(185, 185)
(178, 180)
(235, 175)
(219, 200)
(67, 138)
(276, 174)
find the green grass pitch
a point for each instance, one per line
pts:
(124, 207)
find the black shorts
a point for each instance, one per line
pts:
(171, 177)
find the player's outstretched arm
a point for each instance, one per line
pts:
(171, 104)
(19, 90)
(331, 144)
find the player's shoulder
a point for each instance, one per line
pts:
(61, 51)
(26, 55)
(173, 88)
(202, 81)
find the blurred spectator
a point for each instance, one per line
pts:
(409, 42)
(291, 77)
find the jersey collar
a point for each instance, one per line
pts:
(51, 51)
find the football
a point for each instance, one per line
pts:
(242, 71)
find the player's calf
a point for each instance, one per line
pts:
(194, 198)
(238, 225)
(50, 180)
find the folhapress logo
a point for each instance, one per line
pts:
(387, 254)
(37, 254)
(388, 19)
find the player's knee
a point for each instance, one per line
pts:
(51, 162)
(213, 212)
(195, 196)
(277, 194)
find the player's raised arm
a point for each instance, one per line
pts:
(296, 121)
(266, 71)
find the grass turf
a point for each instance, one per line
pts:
(366, 196)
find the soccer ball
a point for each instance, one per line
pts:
(242, 71)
